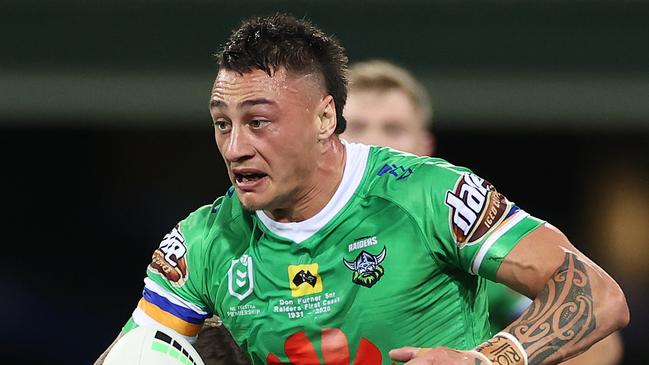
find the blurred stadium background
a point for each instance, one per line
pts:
(106, 141)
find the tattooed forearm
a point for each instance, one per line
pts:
(501, 351)
(562, 313)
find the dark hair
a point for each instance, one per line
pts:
(280, 40)
(216, 346)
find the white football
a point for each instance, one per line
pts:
(146, 345)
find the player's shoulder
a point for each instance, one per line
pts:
(396, 172)
(215, 231)
(210, 235)
(216, 223)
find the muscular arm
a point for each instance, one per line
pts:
(575, 302)
(608, 351)
(575, 305)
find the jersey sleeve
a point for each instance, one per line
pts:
(174, 294)
(474, 225)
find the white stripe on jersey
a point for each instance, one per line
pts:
(142, 319)
(155, 287)
(477, 261)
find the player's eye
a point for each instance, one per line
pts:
(222, 126)
(258, 123)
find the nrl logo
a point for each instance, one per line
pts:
(240, 279)
(366, 268)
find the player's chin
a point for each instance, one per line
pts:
(253, 200)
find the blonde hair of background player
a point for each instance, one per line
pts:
(386, 106)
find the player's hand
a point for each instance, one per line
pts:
(437, 356)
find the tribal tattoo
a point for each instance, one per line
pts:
(562, 313)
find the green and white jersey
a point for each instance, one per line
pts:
(397, 257)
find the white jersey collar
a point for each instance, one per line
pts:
(355, 163)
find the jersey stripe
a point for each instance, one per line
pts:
(177, 310)
(173, 298)
(504, 226)
(142, 319)
(168, 320)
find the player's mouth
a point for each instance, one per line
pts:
(249, 180)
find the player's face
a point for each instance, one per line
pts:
(385, 118)
(265, 129)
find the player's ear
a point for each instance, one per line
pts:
(326, 118)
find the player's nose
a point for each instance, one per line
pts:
(239, 145)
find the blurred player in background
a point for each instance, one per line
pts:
(386, 106)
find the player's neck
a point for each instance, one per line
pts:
(318, 190)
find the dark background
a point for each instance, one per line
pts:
(106, 141)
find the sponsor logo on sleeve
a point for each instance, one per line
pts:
(476, 207)
(169, 259)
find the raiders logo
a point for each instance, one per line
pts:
(476, 207)
(366, 268)
(169, 259)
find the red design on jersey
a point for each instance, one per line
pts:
(334, 347)
(272, 360)
(367, 354)
(300, 350)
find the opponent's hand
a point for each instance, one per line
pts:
(437, 356)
